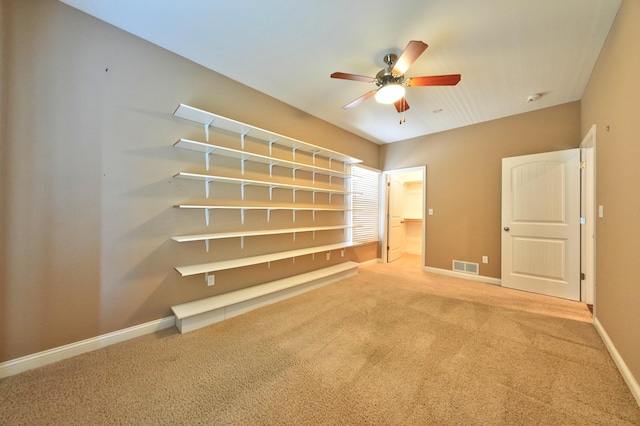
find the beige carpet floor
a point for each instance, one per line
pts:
(391, 346)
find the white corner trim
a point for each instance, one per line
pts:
(40, 359)
(634, 387)
(472, 277)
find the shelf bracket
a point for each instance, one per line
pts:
(242, 161)
(314, 235)
(294, 216)
(269, 264)
(313, 215)
(313, 198)
(294, 236)
(206, 245)
(293, 150)
(270, 193)
(313, 157)
(268, 215)
(271, 147)
(294, 194)
(242, 242)
(271, 169)
(206, 129)
(242, 135)
(207, 185)
(242, 216)
(293, 259)
(207, 157)
(313, 177)
(242, 190)
(206, 216)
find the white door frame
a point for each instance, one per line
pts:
(384, 212)
(588, 211)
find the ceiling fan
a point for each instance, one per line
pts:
(391, 81)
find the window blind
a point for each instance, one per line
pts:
(365, 216)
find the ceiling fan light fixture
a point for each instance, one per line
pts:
(390, 93)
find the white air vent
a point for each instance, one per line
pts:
(466, 267)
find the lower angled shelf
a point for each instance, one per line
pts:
(241, 234)
(204, 268)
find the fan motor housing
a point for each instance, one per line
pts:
(385, 77)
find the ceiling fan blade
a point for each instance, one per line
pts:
(434, 80)
(360, 99)
(413, 50)
(401, 105)
(354, 77)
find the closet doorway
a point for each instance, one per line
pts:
(405, 194)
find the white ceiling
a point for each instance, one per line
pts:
(505, 51)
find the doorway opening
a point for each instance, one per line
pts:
(404, 216)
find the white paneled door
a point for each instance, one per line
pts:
(541, 223)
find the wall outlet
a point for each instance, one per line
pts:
(485, 259)
(430, 212)
(329, 256)
(211, 280)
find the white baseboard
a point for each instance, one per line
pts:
(40, 359)
(472, 277)
(631, 381)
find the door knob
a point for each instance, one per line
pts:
(506, 228)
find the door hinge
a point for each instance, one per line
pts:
(582, 277)
(583, 164)
(583, 220)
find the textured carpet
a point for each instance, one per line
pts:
(391, 346)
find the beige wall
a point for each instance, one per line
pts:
(464, 178)
(612, 100)
(86, 163)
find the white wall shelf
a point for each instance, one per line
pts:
(206, 268)
(207, 179)
(259, 232)
(209, 149)
(323, 162)
(208, 120)
(268, 209)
